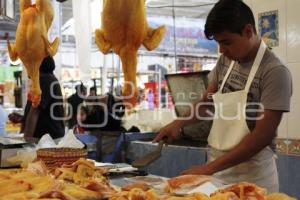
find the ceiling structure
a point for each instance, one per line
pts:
(186, 8)
(67, 11)
(7, 24)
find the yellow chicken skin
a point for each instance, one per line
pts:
(124, 30)
(32, 44)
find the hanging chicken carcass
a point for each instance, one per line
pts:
(124, 30)
(32, 44)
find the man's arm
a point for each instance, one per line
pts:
(172, 130)
(262, 136)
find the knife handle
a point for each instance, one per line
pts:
(134, 173)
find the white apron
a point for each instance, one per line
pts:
(230, 127)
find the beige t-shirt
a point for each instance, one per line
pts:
(272, 85)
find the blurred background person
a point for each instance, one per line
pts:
(150, 99)
(48, 116)
(81, 121)
(93, 91)
(73, 104)
(3, 120)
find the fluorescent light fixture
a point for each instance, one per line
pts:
(147, 2)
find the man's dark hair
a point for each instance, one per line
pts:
(48, 65)
(228, 15)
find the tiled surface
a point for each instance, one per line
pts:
(184, 157)
(294, 115)
(282, 146)
(288, 146)
(293, 30)
(293, 48)
(282, 129)
(294, 147)
(288, 50)
(289, 176)
(180, 158)
(260, 6)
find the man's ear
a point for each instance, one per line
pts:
(248, 31)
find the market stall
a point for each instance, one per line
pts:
(116, 93)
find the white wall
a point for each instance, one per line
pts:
(289, 51)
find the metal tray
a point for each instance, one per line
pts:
(188, 88)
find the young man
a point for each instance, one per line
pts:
(251, 89)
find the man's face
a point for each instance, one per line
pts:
(234, 46)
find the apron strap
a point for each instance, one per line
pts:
(254, 68)
(256, 64)
(227, 75)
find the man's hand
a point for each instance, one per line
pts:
(199, 170)
(171, 131)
